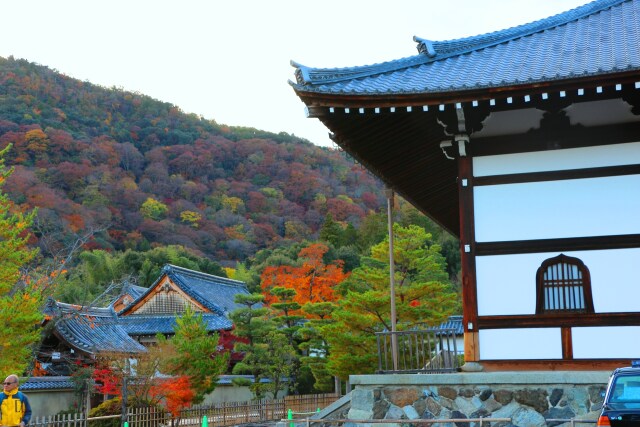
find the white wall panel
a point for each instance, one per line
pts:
(610, 342)
(557, 209)
(506, 284)
(528, 343)
(572, 158)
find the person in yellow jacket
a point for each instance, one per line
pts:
(14, 405)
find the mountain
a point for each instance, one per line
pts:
(135, 172)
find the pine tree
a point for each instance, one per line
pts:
(423, 297)
(196, 355)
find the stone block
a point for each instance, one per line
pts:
(448, 392)
(394, 413)
(411, 412)
(402, 396)
(503, 396)
(433, 406)
(467, 406)
(527, 417)
(362, 399)
(535, 398)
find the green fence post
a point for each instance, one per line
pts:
(126, 424)
(318, 410)
(290, 417)
(205, 423)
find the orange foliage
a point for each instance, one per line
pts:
(176, 392)
(106, 381)
(314, 281)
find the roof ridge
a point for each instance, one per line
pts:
(225, 280)
(432, 51)
(459, 46)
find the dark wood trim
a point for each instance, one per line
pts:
(539, 140)
(554, 365)
(519, 178)
(625, 241)
(567, 343)
(627, 79)
(556, 320)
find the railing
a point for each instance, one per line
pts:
(430, 350)
(219, 415)
(473, 422)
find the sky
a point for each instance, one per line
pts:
(229, 61)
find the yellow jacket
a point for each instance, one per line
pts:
(14, 408)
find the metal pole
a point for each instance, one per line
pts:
(124, 393)
(392, 285)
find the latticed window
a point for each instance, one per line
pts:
(563, 285)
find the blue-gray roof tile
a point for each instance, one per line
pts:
(91, 329)
(152, 324)
(46, 383)
(578, 43)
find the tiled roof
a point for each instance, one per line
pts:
(137, 324)
(46, 383)
(214, 292)
(575, 44)
(90, 329)
(453, 322)
(133, 290)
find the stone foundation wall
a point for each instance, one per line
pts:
(527, 398)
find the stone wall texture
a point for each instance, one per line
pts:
(526, 405)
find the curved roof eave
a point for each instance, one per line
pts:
(317, 97)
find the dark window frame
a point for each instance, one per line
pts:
(564, 282)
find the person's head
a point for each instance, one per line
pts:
(10, 383)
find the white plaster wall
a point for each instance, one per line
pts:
(528, 343)
(606, 342)
(558, 209)
(572, 158)
(506, 284)
(50, 402)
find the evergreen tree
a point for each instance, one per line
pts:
(196, 355)
(423, 297)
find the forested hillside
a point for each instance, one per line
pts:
(134, 172)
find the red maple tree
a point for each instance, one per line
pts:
(314, 281)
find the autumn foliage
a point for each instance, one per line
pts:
(106, 381)
(314, 281)
(175, 392)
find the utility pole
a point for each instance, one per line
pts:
(392, 272)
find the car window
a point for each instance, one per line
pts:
(625, 391)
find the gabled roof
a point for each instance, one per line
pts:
(393, 117)
(213, 292)
(573, 44)
(136, 324)
(90, 329)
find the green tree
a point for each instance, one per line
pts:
(314, 346)
(153, 209)
(251, 324)
(196, 355)
(423, 297)
(331, 231)
(19, 296)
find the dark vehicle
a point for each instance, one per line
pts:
(621, 406)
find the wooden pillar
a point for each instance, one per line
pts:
(467, 255)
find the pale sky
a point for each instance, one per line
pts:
(229, 60)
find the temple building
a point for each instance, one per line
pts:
(525, 144)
